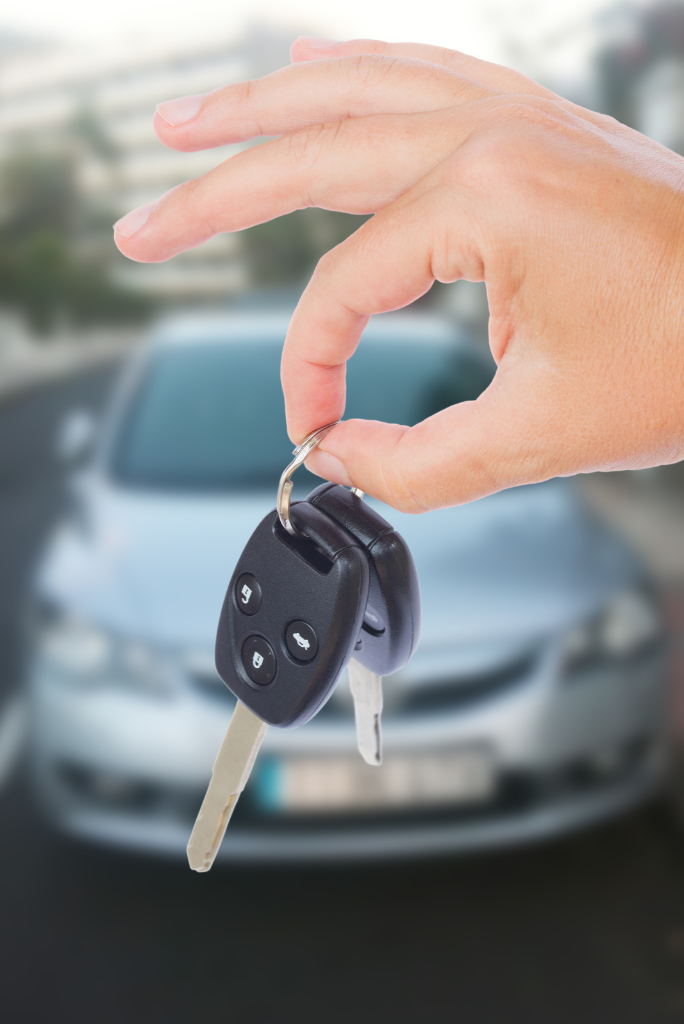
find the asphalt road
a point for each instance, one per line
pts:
(589, 930)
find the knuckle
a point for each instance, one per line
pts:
(396, 494)
(517, 143)
(307, 150)
(397, 481)
(370, 69)
(244, 91)
(492, 163)
(190, 195)
(543, 115)
(247, 95)
(404, 503)
(308, 144)
(482, 165)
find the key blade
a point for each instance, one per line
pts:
(366, 688)
(232, 768)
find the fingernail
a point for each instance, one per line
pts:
(328, 466)
(179, 111)
(133, 221)
(317, 43)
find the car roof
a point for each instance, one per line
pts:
(224, 328)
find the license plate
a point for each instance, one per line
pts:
(313, 785)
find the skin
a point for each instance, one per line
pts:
(471, 171)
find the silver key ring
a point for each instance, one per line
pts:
(301, 452)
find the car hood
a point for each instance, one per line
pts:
(518, 565)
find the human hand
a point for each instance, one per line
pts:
(474, 172)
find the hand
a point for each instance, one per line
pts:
(472, 171)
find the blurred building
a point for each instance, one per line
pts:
(641, 70)
(100, 104)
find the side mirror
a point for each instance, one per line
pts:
(75, 436)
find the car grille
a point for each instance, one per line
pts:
(427, 697)
(461, 692)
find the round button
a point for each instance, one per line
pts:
(248, 594)
(259, 660)
(301, 641)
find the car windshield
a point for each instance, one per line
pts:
(210, 416)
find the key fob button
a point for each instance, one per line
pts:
(259, 660)
(248, 594)
(372, 622)
(301, 640)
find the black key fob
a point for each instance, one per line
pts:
(292, 615)
(391, 622)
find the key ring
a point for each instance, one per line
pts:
(301, 452)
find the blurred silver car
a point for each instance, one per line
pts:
(534, 705)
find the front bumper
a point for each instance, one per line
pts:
(545, 732)
(168, 838)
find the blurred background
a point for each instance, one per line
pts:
(521, 858)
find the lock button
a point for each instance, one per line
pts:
(259, 660)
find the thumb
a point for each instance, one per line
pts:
(461, 453)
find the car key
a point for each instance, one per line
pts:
(366, 689)
(288, 627)
(232, 768)
(391, 624)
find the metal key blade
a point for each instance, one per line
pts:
(366, 688)
(232, 768)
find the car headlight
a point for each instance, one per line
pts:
(87, 655)
(627, 625)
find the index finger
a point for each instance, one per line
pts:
(385, 265)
